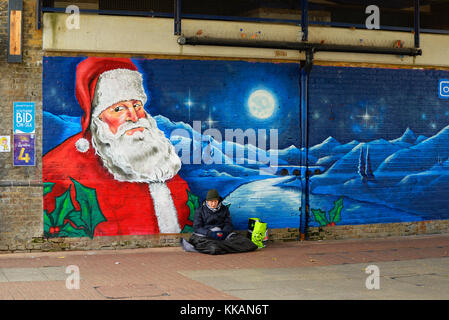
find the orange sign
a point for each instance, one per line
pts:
(15, 27)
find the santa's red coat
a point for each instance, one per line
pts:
(127, 206)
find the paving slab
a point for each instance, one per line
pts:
(32, 274)
(411, 279)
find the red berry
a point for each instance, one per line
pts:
(333, 224)
(52, 230)
(57, 229)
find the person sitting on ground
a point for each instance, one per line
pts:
(213, 230)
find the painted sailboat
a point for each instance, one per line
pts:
(364, 169)
(362, 164)
(368, 170)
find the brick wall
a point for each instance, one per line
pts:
(20, 187)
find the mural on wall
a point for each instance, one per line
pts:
(380, 137)
(131, 146)
(138, 145)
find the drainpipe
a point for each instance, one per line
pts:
(305, 19)
(417, 24)
(306, 68)
(300, 46)
(177, 20)
(38, 14)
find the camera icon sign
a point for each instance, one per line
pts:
(443, 91)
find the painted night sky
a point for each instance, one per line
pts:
(368, 104)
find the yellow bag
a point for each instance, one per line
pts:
(257, 232)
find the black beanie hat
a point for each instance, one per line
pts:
(212, 194)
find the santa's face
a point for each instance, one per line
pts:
(131, 145)
(119, 113)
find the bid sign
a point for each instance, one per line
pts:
(24, 117)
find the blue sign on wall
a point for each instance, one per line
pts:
(443, 88)
(24, 117)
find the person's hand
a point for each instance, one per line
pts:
(217, 235)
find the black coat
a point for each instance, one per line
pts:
(205, 219)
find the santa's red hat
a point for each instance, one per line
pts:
(102, 82)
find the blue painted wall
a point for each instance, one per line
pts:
(389, 122)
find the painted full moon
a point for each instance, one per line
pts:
(261, 104)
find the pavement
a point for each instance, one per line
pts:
(404, 268)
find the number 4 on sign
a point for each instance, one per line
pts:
(21, 157)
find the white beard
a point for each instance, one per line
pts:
(146, 156)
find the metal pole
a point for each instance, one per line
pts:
(417, 23)
(177, 16)
(305, 19)
(38, 14)
(306, 67)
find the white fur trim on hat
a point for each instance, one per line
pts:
(117, 85)
(82, 145)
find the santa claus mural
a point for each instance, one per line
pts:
(118, 176)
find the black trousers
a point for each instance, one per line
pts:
(235, 243)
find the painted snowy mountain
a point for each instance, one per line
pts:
(406, 140)
(219, 150)
(420, 157)
(346, 167)
(325, 148)
(413, 178)
(337, 153)
(291, 155)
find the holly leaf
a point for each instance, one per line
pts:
(63, 207)
(192, 211)
(91, 213)
(48, 186)
(69, 231)
(75, 218)
(335, 213)
(193, 202)
(47, 222)
(194, 198)
(320, 217)
(187, 229)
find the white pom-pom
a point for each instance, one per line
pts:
(82, 145)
